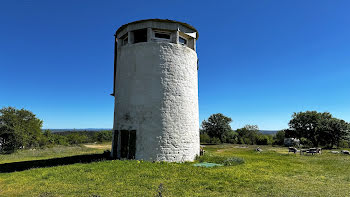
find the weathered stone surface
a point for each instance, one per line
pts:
(156, 94)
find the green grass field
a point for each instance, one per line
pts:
(273, 172)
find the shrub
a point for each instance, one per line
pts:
(305, 143)
(247, 141)
(262, 140)
(240, 141)
(248, 133)
(103, 136)
(204, 138)
(217, 126)
(232, 161)
(76, 138)
(231, 137)
(279, 137)
(343, 144)
(215, 140)
(19, 129)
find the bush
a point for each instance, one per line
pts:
(262, 140)
(232, 161)
(78, 137)
(215, 140)
(305, 143)
(217, 126)
(279, 137)
(204, 138)
(19, 129)
(75, 138)
(240, 141)
(103, 136)
(248, 133)
(343, 144)
(60, 140)
(247, 141)
(231, 137)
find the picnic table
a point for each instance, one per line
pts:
(311, 151)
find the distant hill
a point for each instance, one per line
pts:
(268, 132)
(87, 129)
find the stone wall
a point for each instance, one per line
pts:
(157, 95)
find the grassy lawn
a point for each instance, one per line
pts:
(57, 151)
(273, 172)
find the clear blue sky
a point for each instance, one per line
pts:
(259, 61)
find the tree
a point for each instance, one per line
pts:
(307, 125)
(334, 131)
(318, 128)
(261, 139)
(232, 137)
(19, 129)
(204, 138)
(279, 137)
(77, 138)
(248, 134)
(103, 136)
(217, 126)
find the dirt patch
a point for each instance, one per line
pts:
(98, 146)
(241, 147)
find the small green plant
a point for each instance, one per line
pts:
(232, 161)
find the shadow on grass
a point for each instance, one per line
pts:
(25, 165)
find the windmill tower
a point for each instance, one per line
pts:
(156, 91)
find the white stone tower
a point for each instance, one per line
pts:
(156, 91)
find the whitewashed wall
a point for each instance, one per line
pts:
(157, 95)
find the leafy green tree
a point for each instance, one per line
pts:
(232, 137)
(334, 131)
(55, 139)
(217, 126)
(307, 125)
(49, 137)
(103, 136)
(77, 138)
(60, 139)
(204, 138)
(279, 137)
(318, 128)
(248, 134)
(19, 129)
(261, 139)
(215, 140)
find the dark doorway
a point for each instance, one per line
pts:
(127, 144)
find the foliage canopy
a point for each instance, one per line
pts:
(318, 128)
(217, 126)
(19, 129)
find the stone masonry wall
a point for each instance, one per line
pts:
(157, 95)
